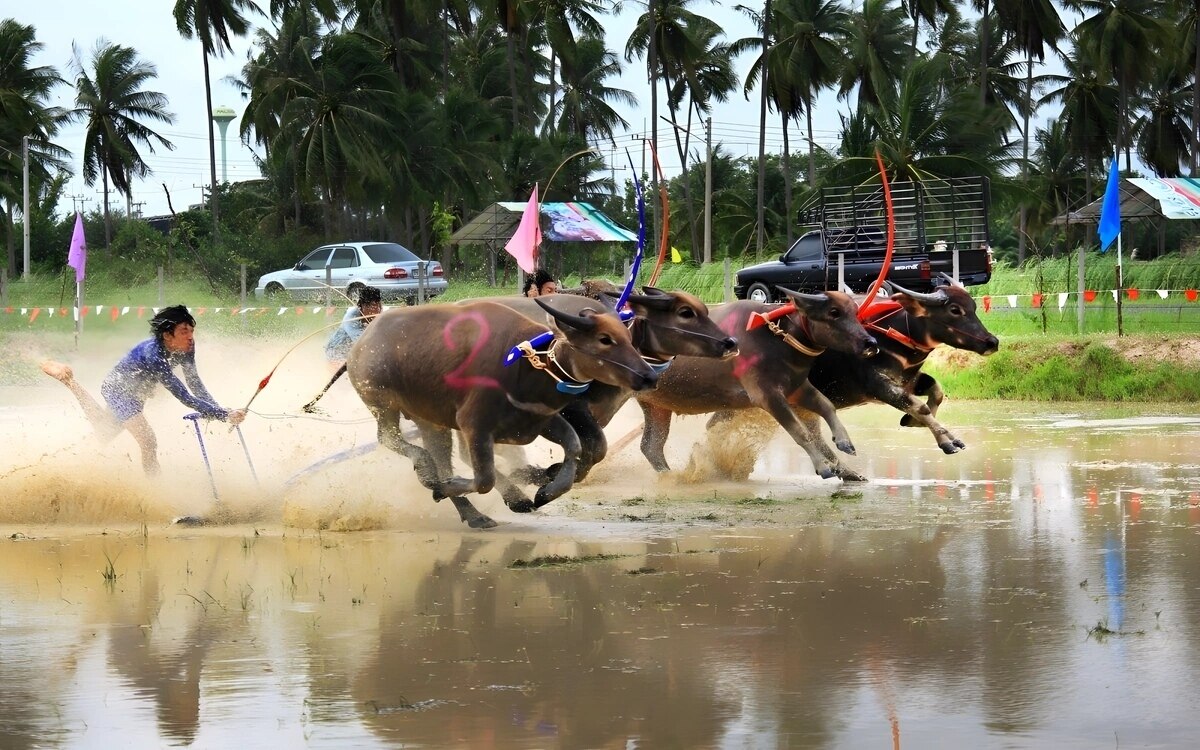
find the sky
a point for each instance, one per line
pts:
(149, 27)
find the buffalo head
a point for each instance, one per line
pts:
(598, 347)
(832, 322)
(948, 316)
(678, 323)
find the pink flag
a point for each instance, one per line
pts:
(77, 258)
(524, 243)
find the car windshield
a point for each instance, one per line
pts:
(389, 252)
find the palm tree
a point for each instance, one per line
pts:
(1033, 26)
(562, 18)
(585, 108)
(111, 100)
(1056, 174)
(1124, 37)
(1163, 137)
(25, 90)
(1089, 109)
(928, 11)
(876, 51)
(810, 37)
(212, 21)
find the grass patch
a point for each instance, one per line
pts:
(752, 502)
(1143, 369)
(555, 561)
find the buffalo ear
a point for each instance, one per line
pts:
(609, 300)
(653, 291)
(568, 322)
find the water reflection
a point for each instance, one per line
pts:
(1037, 589)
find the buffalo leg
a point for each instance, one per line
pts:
(654, 435)
(593, 443)
(439, 441)
(425, 465)
(926, 385)
(777, 406)
(843, 472)
(814, 401)
(508, 488)
(897, 397)
(560, 432)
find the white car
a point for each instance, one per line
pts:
(389, 267)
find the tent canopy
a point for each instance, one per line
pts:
(1145, 197)
(561, 222)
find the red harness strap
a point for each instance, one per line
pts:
(882, 310)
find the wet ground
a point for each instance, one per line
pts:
(1037, 590)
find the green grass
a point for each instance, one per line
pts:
(1058, 369)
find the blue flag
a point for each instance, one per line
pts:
(1110, 209)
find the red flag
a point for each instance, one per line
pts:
(1089, 295)
(1132, 294)
(77, 257)
(524, 243)
(1191, 295)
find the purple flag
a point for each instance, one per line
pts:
(77, 258)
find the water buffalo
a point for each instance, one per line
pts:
(908, 327)
(771, 370)
(443, 367)
(665, 325)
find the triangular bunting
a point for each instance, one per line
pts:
(1162, 293)
(1062, 300)
(282, 310)
(1012, 300)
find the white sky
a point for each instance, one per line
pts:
(149, 27)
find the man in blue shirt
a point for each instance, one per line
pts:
(134, 379)
(354, 322)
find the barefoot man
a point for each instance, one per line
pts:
(126, 388)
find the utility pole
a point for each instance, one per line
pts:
(762, 133)
(708, 193)
(25, 215)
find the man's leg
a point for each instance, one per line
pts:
(103, 421)
(139, 427)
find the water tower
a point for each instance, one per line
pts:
(222, 116)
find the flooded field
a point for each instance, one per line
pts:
(1039, 589)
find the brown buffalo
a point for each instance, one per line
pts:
(908, 327)
(442, 366)
(771, 370)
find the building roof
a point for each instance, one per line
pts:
(1145, 197)
(561, 222)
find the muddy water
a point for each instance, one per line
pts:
(1038, 589)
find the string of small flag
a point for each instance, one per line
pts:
(986, 302)
(113, 312)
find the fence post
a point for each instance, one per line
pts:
(1079, 295)
(728, 285)
(421, 266)
(329, 285)
(841, 272)
(241, 313)
(3, 287)
(161, 291)
(954, 267)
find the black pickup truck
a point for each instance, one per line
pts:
(934, 221)
(811, 264)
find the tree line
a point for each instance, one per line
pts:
(400, 119)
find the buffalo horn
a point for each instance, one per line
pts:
(949, 279)
(651, 291)
(658, 301)
(934, 298)
(579, 322)
(805, 297)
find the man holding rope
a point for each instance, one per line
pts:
(370, 304)
(133, 380)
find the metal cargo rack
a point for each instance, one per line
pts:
(931, 215)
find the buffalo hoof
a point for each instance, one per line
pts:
(960, 444)
(951, 448)
(845, 446)
(908, 421)
(849, 475)
(514, 497)
(826, 472)
(523, 505)
(438, 495)
(480, 522)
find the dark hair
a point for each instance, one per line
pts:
(369, 295)
(541, 277)
(166, 319)
(530, 283)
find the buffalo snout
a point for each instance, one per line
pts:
(870, 347)
(730, 345)
(991, 344)
(646, 382)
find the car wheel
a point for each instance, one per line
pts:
(759, 292)
(274, 290)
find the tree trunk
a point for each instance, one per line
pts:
(787, 182)
(212, 151)
(553, 91)
(812, 153)
(983, 55)
(681, 146)
(762, 136)
(512, 78)
(107, 218)
(10, 240)
(1024, 210)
